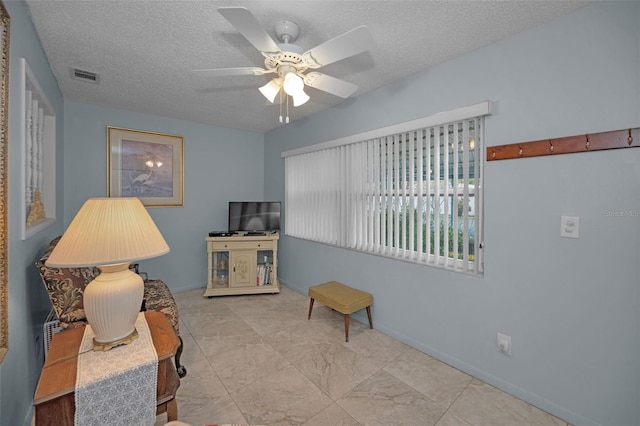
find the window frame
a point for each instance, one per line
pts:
(358, 170)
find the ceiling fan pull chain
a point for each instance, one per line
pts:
(287, 109)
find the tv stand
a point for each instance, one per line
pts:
(242, 264)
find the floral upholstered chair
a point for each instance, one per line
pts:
(66, 289)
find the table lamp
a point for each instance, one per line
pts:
(110, 233)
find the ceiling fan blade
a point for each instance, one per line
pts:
(351, 43)
(329, 84)
(217, 72)
(247, 24)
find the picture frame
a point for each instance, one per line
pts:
(4, 180)
(146, 165)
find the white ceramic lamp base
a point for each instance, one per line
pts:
(112, 302)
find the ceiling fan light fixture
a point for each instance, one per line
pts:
(293, 84)
(271, 89)
(300, 98)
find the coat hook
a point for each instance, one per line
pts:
(630, 138)
(550, 146)
(493, 154)
(520, 152)
(588, 144)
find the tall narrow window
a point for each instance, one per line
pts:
(411, 191)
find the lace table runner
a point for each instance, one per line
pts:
(117, 387)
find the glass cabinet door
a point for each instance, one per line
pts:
(220, 270)
(265, 272)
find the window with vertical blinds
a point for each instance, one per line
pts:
(411, 191)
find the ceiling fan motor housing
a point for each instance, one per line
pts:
(287, 31)
(289, 59)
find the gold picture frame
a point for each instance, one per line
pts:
(146, 165)
(4, 181)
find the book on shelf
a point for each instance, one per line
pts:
(264, 275)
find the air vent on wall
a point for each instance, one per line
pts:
(88, 76)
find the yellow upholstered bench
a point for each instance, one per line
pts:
(343, 299)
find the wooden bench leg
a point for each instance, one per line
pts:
(369, 315)
(310, 308)
(346, 327)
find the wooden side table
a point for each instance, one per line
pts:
(54, 399)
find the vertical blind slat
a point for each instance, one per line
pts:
(402, 216)
(420, 191)
(446, 220)
(479, 196)
(436, 193)
(396, 197)
(388, 243)
(411, 249)
(372, 210)
(466, 194)
(455, 216)
(379, 191)
(429, 187)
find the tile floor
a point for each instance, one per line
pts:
(256, 359)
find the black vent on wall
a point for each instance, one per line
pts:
(83, 75)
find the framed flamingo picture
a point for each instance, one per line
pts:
(146, 165)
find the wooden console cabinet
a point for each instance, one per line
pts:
(54, 398)
(242, 264)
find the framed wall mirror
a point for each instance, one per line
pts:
(4, 184)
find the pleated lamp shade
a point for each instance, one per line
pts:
(110, 233)
(107, 231)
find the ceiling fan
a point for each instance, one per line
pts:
(290, 62)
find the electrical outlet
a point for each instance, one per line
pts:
(504, 344)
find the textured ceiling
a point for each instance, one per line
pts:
(145, 51)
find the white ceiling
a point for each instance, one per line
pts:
(144, 51)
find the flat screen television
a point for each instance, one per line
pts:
(254, 216)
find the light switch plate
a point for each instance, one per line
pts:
(570, 226)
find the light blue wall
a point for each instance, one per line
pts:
(220, 165)
(571, 307)
(28, 302)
